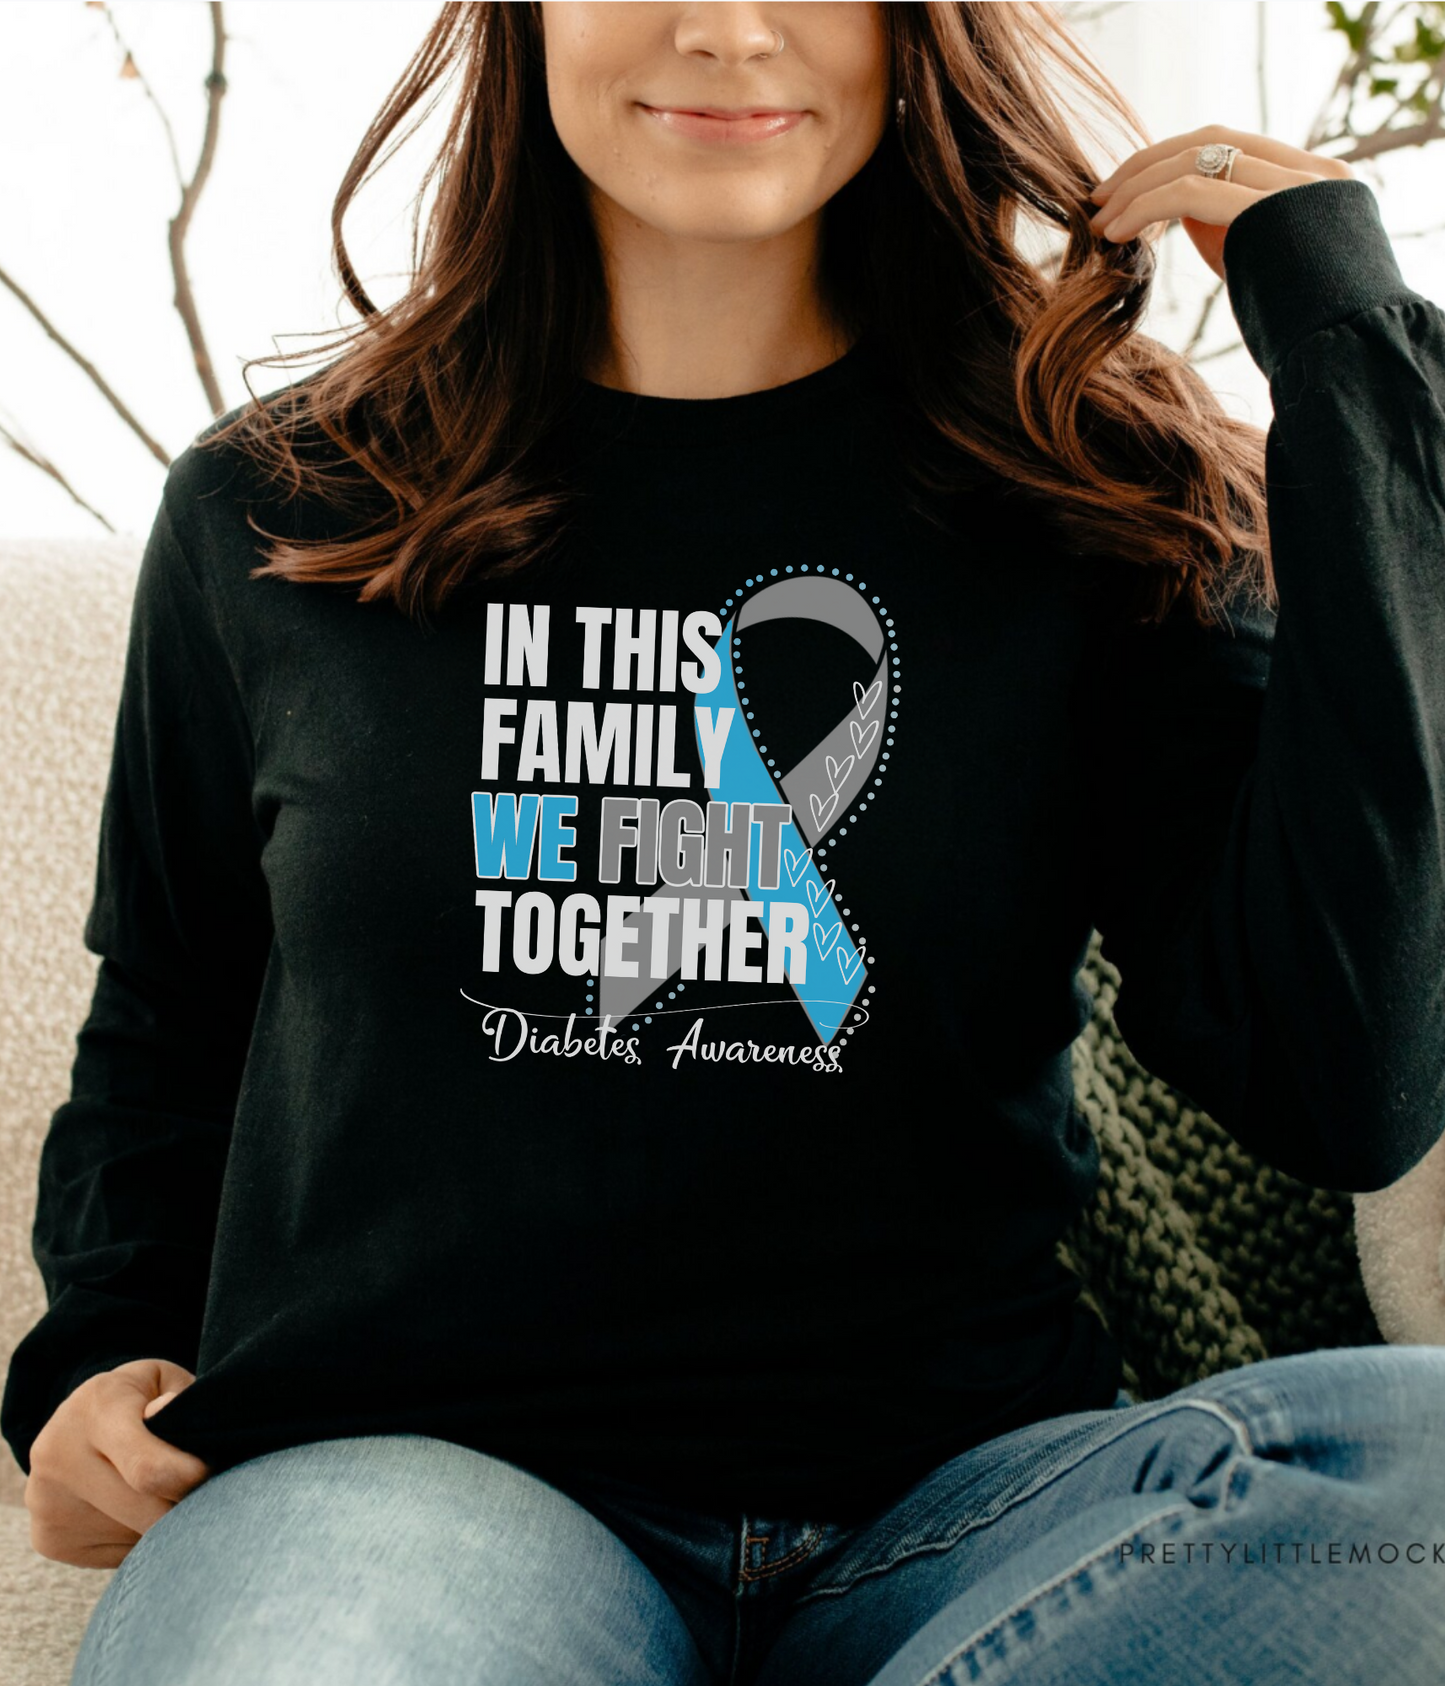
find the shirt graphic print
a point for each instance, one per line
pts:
(727, 884)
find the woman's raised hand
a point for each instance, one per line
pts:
(1159, 183)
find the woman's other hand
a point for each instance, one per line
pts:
(98, 1476)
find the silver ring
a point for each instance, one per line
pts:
(776, 50)
(1216, 159)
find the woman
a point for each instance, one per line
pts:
(565, 1161)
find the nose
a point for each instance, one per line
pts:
(732, 34)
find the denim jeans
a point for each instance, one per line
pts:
(1284, 1521)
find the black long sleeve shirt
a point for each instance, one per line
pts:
(624, 1024)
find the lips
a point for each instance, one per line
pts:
(724, 111)
(722, 125)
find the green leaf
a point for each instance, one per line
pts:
(1353, 29)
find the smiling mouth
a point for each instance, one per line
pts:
(715, 123)
(727, 113)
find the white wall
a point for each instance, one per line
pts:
(86, 191)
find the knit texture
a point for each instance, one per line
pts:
(1303, 259)
(1197, 1256)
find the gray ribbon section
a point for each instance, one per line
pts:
(838, 766)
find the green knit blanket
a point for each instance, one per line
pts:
(1197, 1256)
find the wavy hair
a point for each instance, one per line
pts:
(443, 410)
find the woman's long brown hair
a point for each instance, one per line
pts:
(440, 407)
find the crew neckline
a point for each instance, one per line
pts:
(648, 418)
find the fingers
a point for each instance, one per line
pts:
(156, 1375)
(1248, 171)
(1198, 197)
(1174, 187)
(1261, 147)
(69, 1529)
(148, 1464)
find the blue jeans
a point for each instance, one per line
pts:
(1282, 1522)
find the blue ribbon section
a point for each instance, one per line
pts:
(836, 972)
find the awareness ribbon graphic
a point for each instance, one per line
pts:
(819, 786)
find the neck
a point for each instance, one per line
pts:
(707, 318)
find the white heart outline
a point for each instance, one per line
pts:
(828, 889)
(822, 810)
(838, 772)
(862, 738)
(833, 933)
(849, 972)
(866, 699)
(797, 864)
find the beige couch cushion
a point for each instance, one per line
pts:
(64, 614)
(44, 1607)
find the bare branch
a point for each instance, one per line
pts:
(1356, 62)
(1215, 294)
(185, 299)
(1395, 140)
(1261, 65)
(88, 369)
(1075, 14)
(1377, 71)
(1219, 351)
(149, 93)
(37, 459)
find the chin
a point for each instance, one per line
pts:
(765, 225)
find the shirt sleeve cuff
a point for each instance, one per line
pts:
(1305, 258)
